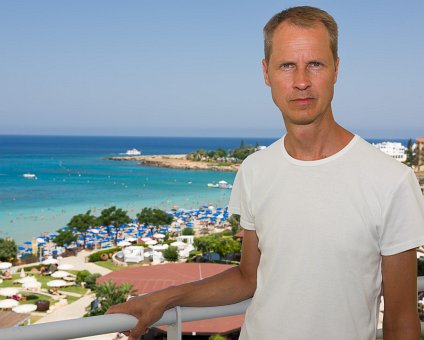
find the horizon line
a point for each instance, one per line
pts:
(167, 136)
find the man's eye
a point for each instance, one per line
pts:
(287, 66)
(315, 64)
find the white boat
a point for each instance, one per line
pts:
(133, 152)
(28, 175)
(220, 185)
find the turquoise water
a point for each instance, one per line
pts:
(74, 176)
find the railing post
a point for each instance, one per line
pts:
(175, 329)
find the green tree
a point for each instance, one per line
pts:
(208, 243)
(171, 254)
(411, 155)
(83, 222)
(109, 293)
(219, 153)
(241, 153)
(227, 246)
(198, 154)
(8, 249)
(115, 217)
(234, 221)
(188, 231)
(154, 217)
(218, 244)
(88, 278)
(64, 237)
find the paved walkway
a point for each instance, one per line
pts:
(72, 311)
(80, 263)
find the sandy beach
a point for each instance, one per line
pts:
(176, 162)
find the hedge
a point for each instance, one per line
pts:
(97, 255)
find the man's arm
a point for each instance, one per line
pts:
(400, 296)
(231, 286)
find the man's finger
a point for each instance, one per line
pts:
(137, 331)
(113, 309)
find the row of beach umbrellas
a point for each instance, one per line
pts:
(104, 235)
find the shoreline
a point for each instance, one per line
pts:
(176, 162)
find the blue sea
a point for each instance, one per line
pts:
(73, 176)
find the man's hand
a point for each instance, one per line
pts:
(146, 308)
(232, 285)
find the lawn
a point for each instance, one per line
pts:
(109, 265)
(33, 297)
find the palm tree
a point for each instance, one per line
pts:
(109, 293)
(115, 217)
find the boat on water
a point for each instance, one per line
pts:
(133, 152)
(28, 175)
(220, 185)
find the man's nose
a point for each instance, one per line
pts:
(301, 79)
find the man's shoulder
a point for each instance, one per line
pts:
(263, 157)
(376, 164)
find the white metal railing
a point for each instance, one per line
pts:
(111, 323)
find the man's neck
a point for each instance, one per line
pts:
(310, 143)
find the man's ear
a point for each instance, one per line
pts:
(265, 71)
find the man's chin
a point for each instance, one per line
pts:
(301, 120)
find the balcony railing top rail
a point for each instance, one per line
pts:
(103, 324)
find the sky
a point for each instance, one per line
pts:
(193, 68)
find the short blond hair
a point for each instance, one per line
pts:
(303, 16)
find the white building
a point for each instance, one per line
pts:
(395, 150)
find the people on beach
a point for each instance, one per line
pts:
(325, 228)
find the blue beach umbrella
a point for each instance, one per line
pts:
(27, 242)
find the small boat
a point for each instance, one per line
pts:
(133, 152)
(28, 175)
(220, 185)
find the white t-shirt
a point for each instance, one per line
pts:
(322, 228)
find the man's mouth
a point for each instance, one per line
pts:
(302, 101)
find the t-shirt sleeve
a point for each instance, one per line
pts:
(403, 217)
(240, 201)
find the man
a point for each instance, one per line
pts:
(328, 218)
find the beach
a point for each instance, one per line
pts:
(177, 162)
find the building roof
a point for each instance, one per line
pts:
(420, 140)
(147, 279)
(12, 319)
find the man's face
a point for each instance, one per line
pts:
(301, 73)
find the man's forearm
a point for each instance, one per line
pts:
(408, 329)
(225, 288)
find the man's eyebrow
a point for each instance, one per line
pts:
(320, 61)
